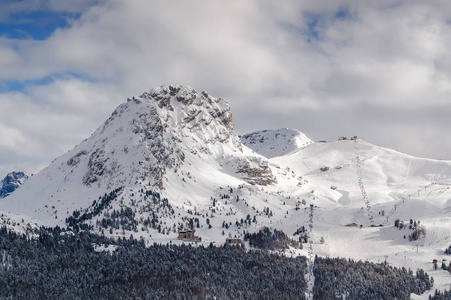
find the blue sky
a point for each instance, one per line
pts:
(22, 85)
(36, 21)
(328, 68)
(36, 25)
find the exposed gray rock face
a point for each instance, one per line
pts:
(11, 182)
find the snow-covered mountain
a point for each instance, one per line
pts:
(272, 143)
(171, 140)
(170, 160)
(11, 182)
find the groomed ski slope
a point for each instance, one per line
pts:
(402, 186)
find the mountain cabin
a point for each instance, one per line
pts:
(188, 235)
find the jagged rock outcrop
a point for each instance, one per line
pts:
(166, 124)
(171, 141)
(257, 172)
(163, 124)
(73, 161)
(11, 182)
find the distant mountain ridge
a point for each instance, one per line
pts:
(273, 143)
(11, 182)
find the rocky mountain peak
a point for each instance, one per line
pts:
(167, 130)
(11, 182)
(182, 107)
(172, 141)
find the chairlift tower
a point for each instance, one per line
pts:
(362, 189)
(310, 249)
(311, 258)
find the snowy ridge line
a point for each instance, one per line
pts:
(359, 141)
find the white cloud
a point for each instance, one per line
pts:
(8, 7)
(11, 137)
(75, 95)
(49, 120)
(323, 67)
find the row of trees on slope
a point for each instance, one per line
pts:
(269, 239)
(413, 225)
(335, 277)
(438, 295)
(66, 265)
(58, 264)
